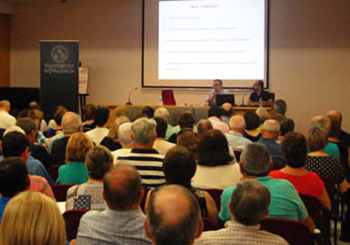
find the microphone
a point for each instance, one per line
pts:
(242, 105)
(129, 101)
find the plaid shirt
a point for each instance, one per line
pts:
(238, 234)
(112, 227)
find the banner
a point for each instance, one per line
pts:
(59, 65)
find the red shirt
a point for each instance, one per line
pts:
(309, 184)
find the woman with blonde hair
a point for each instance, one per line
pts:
(31, 218)
(74, 171)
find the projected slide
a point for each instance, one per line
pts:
(188, 44)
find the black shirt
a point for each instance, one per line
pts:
(58, 152)
(39, 152)
(110, 144)
(265, 96)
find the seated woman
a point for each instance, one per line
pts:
(189, 140)
(89, 115)
(320, 162)
(252, 124)
(74, 171)
(98, 161)
(179, 167)
(55, 123)
(111, 141)
(215, 168)
(259, 96)
(32, 218)
(294, 150)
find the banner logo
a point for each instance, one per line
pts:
(59, 54)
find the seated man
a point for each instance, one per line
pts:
(203, 126)
(13, 179)
(122, 221)
(270, 132)
(6, 120)
(101, 118)
(125, 138)
(285, 200)
(217, 89)
(248, 206)
(235, 137)
(259, 96)
(186, 121)
(143, 157)
(173, 216)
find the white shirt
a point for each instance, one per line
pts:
(6, 120)
(236, 140)
(218, 177)
(162, 146)
(219, 125)
(119, 152)
(97, 134)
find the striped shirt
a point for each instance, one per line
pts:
(239, 234)
(39, 184)
(148, 163)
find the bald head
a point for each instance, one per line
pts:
(237, 123)
(203, 126)
(271, 129)
(122, 188)
(71, 123)
(335, 113)
(5, 105)
(173, 216)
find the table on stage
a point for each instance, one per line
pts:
(199, 112)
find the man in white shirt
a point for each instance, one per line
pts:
(125, 138)
(101, 118)
(235, 136)
(6, 120)
(218, 89)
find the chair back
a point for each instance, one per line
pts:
(216, 195)
(313, 206)
(72, 219)
(292, 231)
(330, 185)
(53, 171)
(168, 97)
(209, 224)
(60, 191)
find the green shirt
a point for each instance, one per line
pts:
(171, 130)
(285, 200)
(73, 173)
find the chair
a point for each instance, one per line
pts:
(53, 171)
(60, 191)
(293, 232)
(168, 97)
(209, 224)
(216, 195)
(237, 154)
(72, 219)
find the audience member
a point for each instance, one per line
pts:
(214, 115)
(215, 168)
(122, 221)
(286, 127)
(74, 171)
(89, 115)
(226, 112)
(71, 123)
(148, 111)
(89, 195)
(143, 157)
(32, 218)
(279, 111)
(160, 144)
(164, 113)
(100, 131)
(55, 126)
(189, 140)
(125, 138)
(235, 136)
(42, 125)
(186, 121)
(111, 141)
(6, 120)
(16, 144)
(270, 132)
(203, 126)
(121, 110)
(343, 136)
(263, 115)
(251, 131)
(36, 150)
(285, 201)
(320, 162)
(248, 205)
(173, 216)
(13, 179)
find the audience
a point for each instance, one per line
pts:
(32, 218)
(215, 168)
(286, 127)
(13, 179)
(74, 171)
(71, 123)
(89, 195)
(270, 132)
(279, 111)
(189, 140)
(164, 113)
(121, 110)
(263, 115)
(203, 126)
(100, 131)
(111, 141)
(122, 220)
(89, 115)
(186, 122)
(55, 125)
(143, 157)
(214, 115)
(285, 201)
(173, 216)
(160, 144)
(226, 112)
(249, 204)
(251, 131)
(235, 136)
(125, 138)
(6, 120)
(148, 112)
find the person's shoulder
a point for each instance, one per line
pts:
(91, 216)
(228, 191)
(38, 180)
(272, 238)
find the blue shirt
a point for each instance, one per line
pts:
(273, 148)
(3, 203)
(285, 200)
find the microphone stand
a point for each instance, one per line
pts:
(129, 100)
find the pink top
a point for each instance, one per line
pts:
(219, 125)
(309, 184)
(40, 184)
